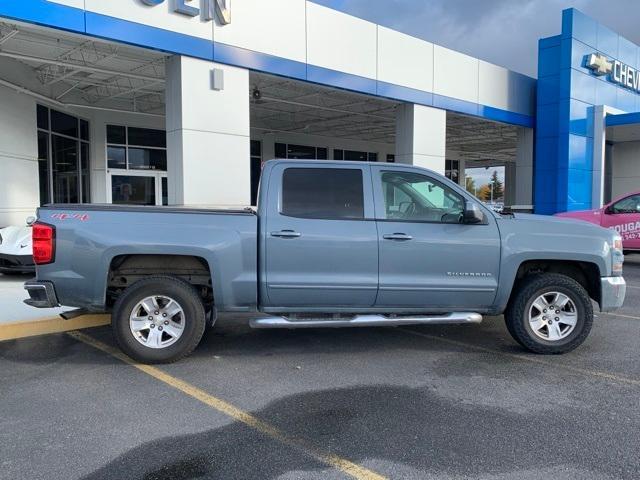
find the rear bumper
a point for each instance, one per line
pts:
(41, 294)
(16, 263)
(613, 291)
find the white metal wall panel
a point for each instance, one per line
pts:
(497, 86)
(70, 3)
(161, 16)
(404, 60)
(20, 195)
(259, 26)
(455, 74)
(340, 42)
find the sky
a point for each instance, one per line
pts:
(504, 32)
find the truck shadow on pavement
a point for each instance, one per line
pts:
(410, 431)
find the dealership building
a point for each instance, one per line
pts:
(182, 101)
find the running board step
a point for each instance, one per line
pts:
(366, 321)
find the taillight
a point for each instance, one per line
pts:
(44, 243)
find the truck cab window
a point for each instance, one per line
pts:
(414, 197)
(323, 193)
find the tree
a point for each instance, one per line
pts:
(471, 185)
(498, 187)
(484, 193)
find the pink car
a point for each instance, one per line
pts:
(623, 215)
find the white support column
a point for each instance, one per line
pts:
(599, 156)
(208, 139)
(421, 136)
(524, 167)
(19, 194)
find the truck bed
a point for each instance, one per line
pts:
(91, 238)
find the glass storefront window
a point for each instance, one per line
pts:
(137, 165)
(43, 165)
(117, 157)
(256, 169)
(63, 157)
(130, 148)
(116, 134)
(353, 155)
(300, 152)
(452, 170)
(64, 124)
(147, 159)
(133, 190)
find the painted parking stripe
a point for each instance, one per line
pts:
(533, 359)
(46, 326)
(619, 315)
(345, 466)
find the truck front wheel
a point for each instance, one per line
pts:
(159, 319)
(549, 314)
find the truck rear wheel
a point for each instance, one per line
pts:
(159, 319)
(549, 314)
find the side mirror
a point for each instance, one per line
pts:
(31, 220)
(472, 213)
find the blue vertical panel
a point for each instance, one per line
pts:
(579, 153)
(548, 89)
(579, 26)
(580, 118)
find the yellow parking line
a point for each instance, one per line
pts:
(533, 359)
(45, 326)
(346, 466)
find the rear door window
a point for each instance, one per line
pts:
(323, 193)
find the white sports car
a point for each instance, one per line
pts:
(15, 250)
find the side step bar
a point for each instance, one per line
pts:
(366, 321)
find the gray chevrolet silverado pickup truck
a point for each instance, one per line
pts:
(332, 244)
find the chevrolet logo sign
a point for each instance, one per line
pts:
(599, 64)
(618, 72)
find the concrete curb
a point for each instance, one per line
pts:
(46, 326)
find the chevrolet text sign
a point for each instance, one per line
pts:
(208, 8)
(618, 72)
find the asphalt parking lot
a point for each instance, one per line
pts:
(424, 403)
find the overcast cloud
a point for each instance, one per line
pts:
(504, 32)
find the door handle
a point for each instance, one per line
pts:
(286, 234)
(403, 237)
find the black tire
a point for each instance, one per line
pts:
(525, 294)
(163, 285)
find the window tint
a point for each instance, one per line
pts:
(43, 117)
(415, 197)
(116, 157)
(331, 193)
(145, 137)
(116, 134)
(64, 124)
(147, 159)
(628, 205)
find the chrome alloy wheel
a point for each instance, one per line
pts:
(553, 316)
(157, 321)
